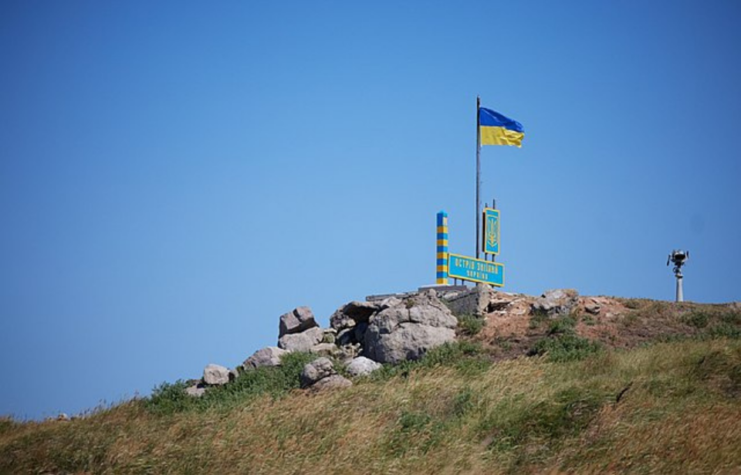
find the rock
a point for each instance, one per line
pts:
(318, 369)
(63, 417)
(233, 374)
(324, 349)
(359, 331)
(215, 375)
(592, 306)
(556, 302)
(352, 313)
(195, 391)
(331, 382)
(408, 329)
(362, 366)
(346, 336)
(269, 356)
(472, 302)
(301, 341)
(297, 320)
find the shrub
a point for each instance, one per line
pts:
(273, 381)
(470, 325)
(566, 347)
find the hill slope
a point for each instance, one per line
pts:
(478, 406)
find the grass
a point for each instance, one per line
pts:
(470, 325)
(665, 408)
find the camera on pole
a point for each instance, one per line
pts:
(679, 258)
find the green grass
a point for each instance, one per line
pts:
(565, 347)
(664, 408)
(272, 381)
(470, 325)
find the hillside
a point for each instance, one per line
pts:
(613, 385)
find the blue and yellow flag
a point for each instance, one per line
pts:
(496, 129)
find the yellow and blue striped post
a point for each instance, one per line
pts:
(442, 248)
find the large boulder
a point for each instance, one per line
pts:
(352, 313)
(407, 329)
(318, 369)
(269, 356)
(215, 375)
(297, 320)
(303, 341)
(362, 366)
(556, 302)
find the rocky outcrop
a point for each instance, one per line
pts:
(297, 320)
(362, 366)
(320, 375)
(269, 356)
(215, 375)
(406, 330)
(556, 302)
(318, 369)
(303, 341)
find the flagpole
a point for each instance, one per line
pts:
(478, 179)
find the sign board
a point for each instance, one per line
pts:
(476, 270)
(491, 231)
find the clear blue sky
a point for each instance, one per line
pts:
(176, 175)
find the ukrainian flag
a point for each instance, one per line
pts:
(496, 129)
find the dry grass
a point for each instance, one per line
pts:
(668, 408)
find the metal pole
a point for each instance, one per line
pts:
(494, 206)
(680, 291)
(478, 179)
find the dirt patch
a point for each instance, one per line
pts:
(512, 329)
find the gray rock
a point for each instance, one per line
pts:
(472, 302)
(233, 374)
(556, 302)
(215, 375)
(297, 320)
(362, 366)
(269, 356)
(195, 391)
(331, 382)
(318, 369)
(301, 341)
(408, 329)
(63, 417)
(325, 349)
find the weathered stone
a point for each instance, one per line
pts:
(362, 366)
(359, 331)
(331, 382)
(301, 341)
(318, 369)
(233, 374)
(472, 302)
(556, 302)
(408, 329)
(269, 356)
(297, 320)
(63, 417)
(215, 375)
(324, 349)
(592, 306)
(195, 391)
(346, 336)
